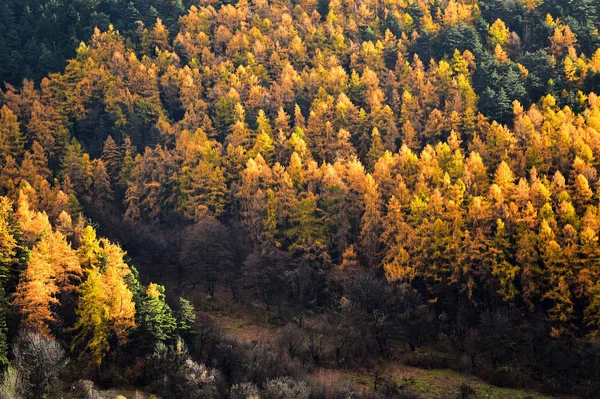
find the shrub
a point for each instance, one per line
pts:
(12, 384)
(84, 389)
(285, 388)
(231, 358)
(502, 377)
(264, 364)
(332, 390)
(289, 340)
(466, 391)
(39, 361)
(244, 391)
(176, 374)
(430, 360)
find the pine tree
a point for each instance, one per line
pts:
(155, 320)
(186, 317)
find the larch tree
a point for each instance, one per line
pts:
(376, 149)
(100, 187)
(112, 156)
(307, 225)
(32, 224)
(502, 268)
(371, 224)
(106, 308)
(89, 250)
(53, 268)
(8, 259)
(499, 33)
(120, 298)
(93, 314)
(8, 240)
(12, 141)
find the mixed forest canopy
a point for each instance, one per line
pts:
(415, 174)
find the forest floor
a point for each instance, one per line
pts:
(435, 383)
(247, 322)
(114, 394)
(442, 383)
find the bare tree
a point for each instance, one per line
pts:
(39, 360)
(206, 256)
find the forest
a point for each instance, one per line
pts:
(378, 185)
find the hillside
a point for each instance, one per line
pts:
(378, 185)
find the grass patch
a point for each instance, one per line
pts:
(114, 394)
(447, 384)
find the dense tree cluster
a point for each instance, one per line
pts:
(38, 36)
(73, 285)
(408, 170)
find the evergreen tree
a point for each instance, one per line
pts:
(186, 318)
(155, 321)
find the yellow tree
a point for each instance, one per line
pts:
(397, 263)
(120, 298)
(93, 317)
(12, 140)
(499, 33)
(505, 272)
(371, 224)
(53, 268)
(36, 294)
(505, 179)
(106, 305)
(562, 38)
(8, 242)
(89, 248)
(31, 223)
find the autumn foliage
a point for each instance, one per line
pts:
(306, 154)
